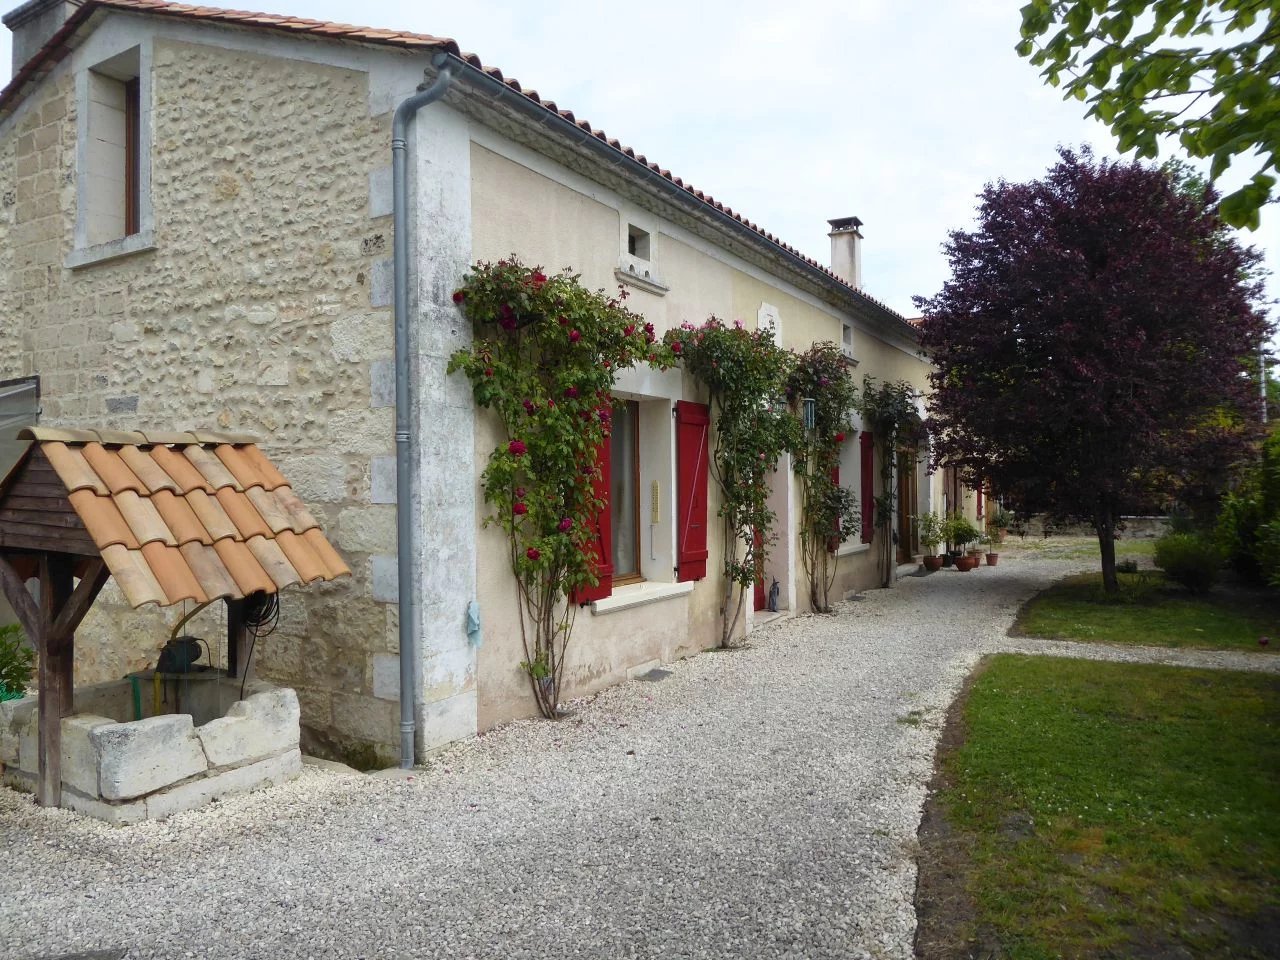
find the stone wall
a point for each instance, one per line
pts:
(264, 309)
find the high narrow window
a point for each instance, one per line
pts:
(132, 156)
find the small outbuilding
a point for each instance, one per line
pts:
(176, 518)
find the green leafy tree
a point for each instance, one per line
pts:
(829, 514)
(1205, 71)
(544, 360)
(745, 374)
(15, 662)
(889, 412)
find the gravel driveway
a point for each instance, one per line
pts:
(759, 803)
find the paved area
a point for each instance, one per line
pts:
(760, 803)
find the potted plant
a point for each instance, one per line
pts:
(993, 539)
(961, 531)
(929, 530)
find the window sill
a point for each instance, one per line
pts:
(638, 594)
(139, 242)
(849, 549)
(647, 284)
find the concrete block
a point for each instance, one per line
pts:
(382, 383)
(382, 479)
(380, 192)
(386, 578)
(137, 758)
(79, 758)
(200, 792)
(117, 814)
(386, 676)
(14, 715)
(264, 724)
(447, 721)
(381, 283)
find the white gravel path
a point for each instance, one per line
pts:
(760, 803)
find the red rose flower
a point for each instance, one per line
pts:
(539, 278)
(528, 406)
(676, 347)
(520, 492)
(488, 371)
(571, 393)
(516, 448)
(629, 329)
(533, 553)
(839, 438)
(566, 525)
(459, 296)
(519, 509)
(574, 336)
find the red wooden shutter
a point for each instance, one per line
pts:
(693, 423)
(867, 452)
(601, 546)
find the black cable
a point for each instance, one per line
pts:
(261, 617)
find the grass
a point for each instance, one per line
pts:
(1081, 548)
(1151, 612)
(1118, 810)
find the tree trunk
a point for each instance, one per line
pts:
(1105, 526)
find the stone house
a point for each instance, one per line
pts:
(196, 232)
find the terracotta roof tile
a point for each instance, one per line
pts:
(55, 48)
(205, 516)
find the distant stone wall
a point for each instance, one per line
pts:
(264, 309)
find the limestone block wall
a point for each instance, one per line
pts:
(124, 770)
(263, 309)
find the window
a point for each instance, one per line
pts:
(624, 492)
(846, 340)
(113, 210)
(637, 242)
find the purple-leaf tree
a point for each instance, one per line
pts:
(1095, 339)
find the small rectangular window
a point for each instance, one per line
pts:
(132, 156)
(638, 243)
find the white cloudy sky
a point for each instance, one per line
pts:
(895, 112)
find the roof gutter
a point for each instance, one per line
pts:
(535, 111)
(406, 449)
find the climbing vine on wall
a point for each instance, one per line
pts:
(544, 359)
(829, 514)
(889, 412)
(745, 373)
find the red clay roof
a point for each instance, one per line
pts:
(54, 50)
(185, 516)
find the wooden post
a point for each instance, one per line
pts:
(237, 639)
(57, 658)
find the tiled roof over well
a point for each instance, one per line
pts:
(179, 516)
(54, 49)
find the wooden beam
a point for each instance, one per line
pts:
(23, 603)
(69, 617)
(237, 638)
(56, 675)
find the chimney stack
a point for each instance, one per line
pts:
(33, 23)
(846, 250)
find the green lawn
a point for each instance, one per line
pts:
(1116, 810)
(1151, 612)
(1081, 548)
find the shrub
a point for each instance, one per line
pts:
(1189, 560)
(15, 661)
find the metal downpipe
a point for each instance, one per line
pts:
(406, 538)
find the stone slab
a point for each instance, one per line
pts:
(13, 717)
(204, 790)
(117, 814)
(259, 726)
(79, 756)
(141, 757)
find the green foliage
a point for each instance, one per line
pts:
(1190, 560)
(15, 661)
(544, 359)
(958, 530)
(1248, 529)
(931, 529)
(889, 412)
(745, 373)
(829, 510)
(1201, 70)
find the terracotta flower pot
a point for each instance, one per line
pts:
(965, 564)
(933, 564)
(992, 559)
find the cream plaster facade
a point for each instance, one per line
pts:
(257, 300)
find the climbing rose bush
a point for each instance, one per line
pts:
(544, 360)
